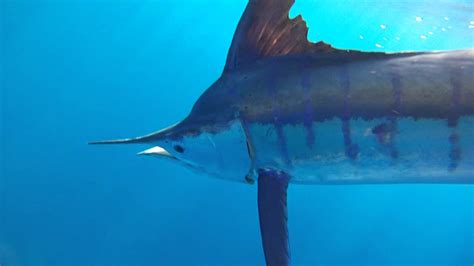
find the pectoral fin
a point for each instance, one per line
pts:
(272, 186)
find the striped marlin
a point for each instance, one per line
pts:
(286, 110)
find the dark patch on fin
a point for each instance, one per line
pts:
(265, 31)
(273, 216)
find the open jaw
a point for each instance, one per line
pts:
(158, 151)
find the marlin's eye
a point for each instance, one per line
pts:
(178, 148)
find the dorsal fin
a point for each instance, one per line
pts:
(265, 30)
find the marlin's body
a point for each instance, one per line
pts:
(287, 110)
(334, 120)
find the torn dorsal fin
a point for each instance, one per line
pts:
(265, 31)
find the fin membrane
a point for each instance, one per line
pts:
(265, 30)
(273, 215)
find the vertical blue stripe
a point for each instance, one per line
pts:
(308, 112)
(351, 149)
(455, 152)
(396, 110)
(282, 145)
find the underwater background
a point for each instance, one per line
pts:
(73, 71)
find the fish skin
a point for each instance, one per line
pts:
(426, 81)
(314, 91)
(298, 91)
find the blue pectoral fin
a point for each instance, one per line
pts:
(272, 187)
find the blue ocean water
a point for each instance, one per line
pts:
(73, 71)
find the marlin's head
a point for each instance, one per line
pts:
(210, 140)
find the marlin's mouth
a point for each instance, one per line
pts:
(157, 151)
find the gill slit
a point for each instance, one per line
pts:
(249, 178)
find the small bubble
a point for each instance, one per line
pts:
(382, 26)
(397, 38)
(430, 33)
(443, 29)
(361, 37)
(471, 22)
(419, 19)
(378, 45)
(446, 18)
(423, 37)
(471, 26)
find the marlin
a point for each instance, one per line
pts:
(286, 110)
